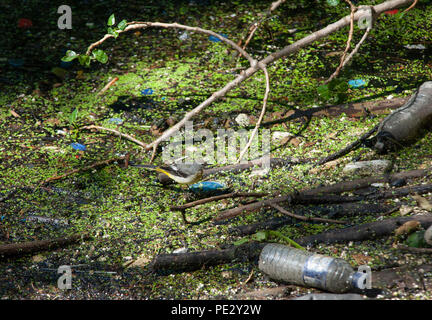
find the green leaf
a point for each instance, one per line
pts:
(73, 116)
(100, 55)
(122, 25)
(84, 60)
(324, 89)
(341, 87)
(113, 32)
(416, 240)
(111, 20)
(260, 236)
(70, 55)
(241, 241)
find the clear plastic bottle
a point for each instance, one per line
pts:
(309, 269)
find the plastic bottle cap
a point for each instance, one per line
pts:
(360, 280)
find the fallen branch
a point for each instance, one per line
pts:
(13, 249)
(415, 250)
(322, 195)
(216, 198)
(305, 218)
(340, 210)
(178, 262)
(364, 231)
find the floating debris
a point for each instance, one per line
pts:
(46, 220)
(116, 120)
(184, 36)
(147, 91)
(406, 124)
(357, 83)
(415, 46)
(208, 187)
(216, 39)
(24, 23)
(78, 146)
(392, 12)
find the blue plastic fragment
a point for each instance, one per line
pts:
(16, 62)
(207, 187)
(357, 83)
(116, 120)
(216, 39)
(78, 146)
(147, 91)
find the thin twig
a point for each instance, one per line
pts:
(219, 197)
(357, 47)
(411, 6)
(415, 250)
(134, 25)
(255, 25)
(348, 44)
(304, 218)
(107, 86)
(124, 135)
(348, 148)
(266, 94)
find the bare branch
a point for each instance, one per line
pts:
(303, 218)
(266, 94)
(351, 31)
(124, 135)
(142, 25)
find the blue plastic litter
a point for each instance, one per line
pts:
(357, 83)
(208, 187)
(215, 39)
(78, 146)
(147, 91)
(116, 120)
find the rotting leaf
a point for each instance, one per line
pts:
(422, 202)
(407, 227)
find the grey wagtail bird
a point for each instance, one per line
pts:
(182, 173)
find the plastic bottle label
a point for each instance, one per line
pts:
(315, 270)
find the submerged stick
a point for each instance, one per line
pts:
(364, 231)
(14, 249)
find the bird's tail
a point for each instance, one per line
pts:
(145, 166)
